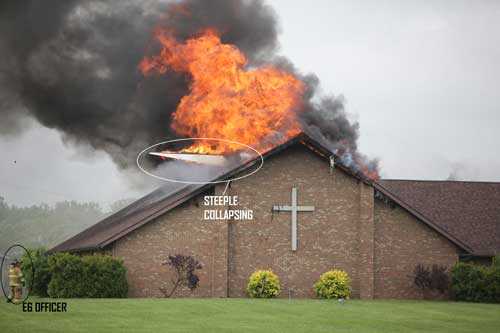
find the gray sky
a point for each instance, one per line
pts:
(421, 77)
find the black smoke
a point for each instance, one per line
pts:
(72, 66)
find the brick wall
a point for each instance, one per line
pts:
(402, 242)
(180, 231)
(231, 251)
(327, 238)
(377, 245)
(366, 242)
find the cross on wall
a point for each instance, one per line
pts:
(294, 209)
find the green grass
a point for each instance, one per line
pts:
(250, 315)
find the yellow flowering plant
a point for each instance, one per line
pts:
(333, 284)
(263, 284)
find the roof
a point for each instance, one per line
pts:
(160, 201)
(466, 211)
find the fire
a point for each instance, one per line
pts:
(358, 163)
(227, 100)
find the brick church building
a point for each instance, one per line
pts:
(377, 231)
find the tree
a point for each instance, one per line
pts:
(184, 267)
(4, 209)
(43, 225)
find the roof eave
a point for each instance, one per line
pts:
(74, 250)
(302, 138)
(422, 218)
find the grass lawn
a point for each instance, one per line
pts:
(250, 315)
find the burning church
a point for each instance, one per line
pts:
(309, 201)
(310, 213)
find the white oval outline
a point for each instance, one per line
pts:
(185, 182)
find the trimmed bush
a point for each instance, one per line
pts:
(263, 284)
(496, 261)
(333, 284)
(67, 275)
(104, 277)
(493, 284)
(476, 283)
(89, 276)
(40, 282)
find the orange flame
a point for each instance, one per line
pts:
(228, 101)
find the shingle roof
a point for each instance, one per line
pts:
(128, 219)
(165, 198)
(468, 211)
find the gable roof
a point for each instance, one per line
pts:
(466, 211)
(446, 213)
(160, 201)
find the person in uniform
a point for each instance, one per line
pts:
(15, 282)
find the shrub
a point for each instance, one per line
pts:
(184, 267)
(476, 283)
(263, 284)
(39, 283)
(435, 278)
(89, 276)
(496, 261)
(333, 284)
(104, 277)
(492, 283)
(422, 277)
(67, 274)
(439, 279)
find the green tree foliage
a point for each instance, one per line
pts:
(67, 275)
(88, 276)
(496, 261)
(333, 284)
(263, 284)
(104, 277)
(36, 261)
(43, 225)
(476, 283)
(4, 209)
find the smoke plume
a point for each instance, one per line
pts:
(72, 66)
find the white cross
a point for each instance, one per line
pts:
(294, 209)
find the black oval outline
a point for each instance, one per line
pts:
(32, 274)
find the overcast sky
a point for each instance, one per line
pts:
(421, 77)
